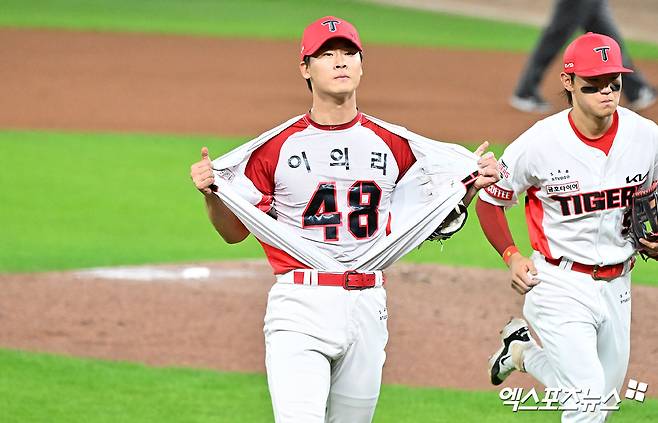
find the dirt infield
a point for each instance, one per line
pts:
(193, 85)
(443, 321)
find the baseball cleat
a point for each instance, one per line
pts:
(530, 104)
(515, 338)
(645, 99)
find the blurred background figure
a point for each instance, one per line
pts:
(568, 16)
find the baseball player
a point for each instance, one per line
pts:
(579, 169)
(566, 18)
(335, 196)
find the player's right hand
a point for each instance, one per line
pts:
(523, 272)
(202, 174)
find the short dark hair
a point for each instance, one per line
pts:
(567, 93)
(307, 62)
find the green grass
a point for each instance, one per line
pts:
(279, 19)
(81, 200)
(47, 388)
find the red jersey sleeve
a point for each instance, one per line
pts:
(262, 164)
(261, 167)
(494, 225)
(399, 146)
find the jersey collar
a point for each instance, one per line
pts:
(346, 125)
(605, 141)
(610, 131)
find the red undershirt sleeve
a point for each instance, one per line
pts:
(494, 225)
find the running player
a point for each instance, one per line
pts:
(579, 169)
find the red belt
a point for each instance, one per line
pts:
(350, 280)
(597, 272)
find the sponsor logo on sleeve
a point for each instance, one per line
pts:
(500, 193)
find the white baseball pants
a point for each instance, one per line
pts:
(324, 352)
(584, 326)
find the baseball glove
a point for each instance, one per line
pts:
(641, 217)
(451, 224)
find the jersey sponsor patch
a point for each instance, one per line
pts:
(559, 175)
(499, 193)
(563, 188)
(638, 178)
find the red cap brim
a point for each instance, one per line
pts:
(604, 70)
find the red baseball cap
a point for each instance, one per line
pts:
(593, 54)
(325, 29)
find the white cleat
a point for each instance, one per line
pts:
(645, 99)
(515, 338)
(530, 104)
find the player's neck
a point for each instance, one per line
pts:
(589, 125)
(328, 110)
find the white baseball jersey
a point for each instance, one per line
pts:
(334, 189)
(350, 197)
(332, 184)
(576, 194)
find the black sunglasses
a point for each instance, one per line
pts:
(590, 89)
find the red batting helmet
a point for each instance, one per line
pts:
(325, 29)
(593, 54)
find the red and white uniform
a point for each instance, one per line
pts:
(356, 196)
(345, 173)
(576, 193)
(577, 190)
(330, 218)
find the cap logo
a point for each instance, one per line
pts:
(604, 52)
(331, 24)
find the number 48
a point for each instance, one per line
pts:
(363, 198)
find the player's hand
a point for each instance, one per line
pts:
(649, 248)
(487, 167)
(523, 272)
(202, 174)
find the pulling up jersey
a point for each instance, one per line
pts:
(356, 196)
(576, 193)
(331, 184)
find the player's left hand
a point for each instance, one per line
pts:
(487, 167)
(649, 248)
